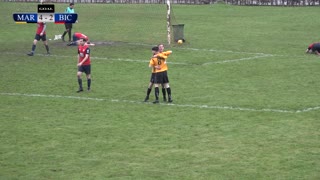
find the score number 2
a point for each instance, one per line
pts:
(45, 17)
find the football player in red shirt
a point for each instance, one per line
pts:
(40, 34)
(314, 48)
(77, 36)
(84, 63)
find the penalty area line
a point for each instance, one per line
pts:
(147, 61)
(231, 108)
(99, 58)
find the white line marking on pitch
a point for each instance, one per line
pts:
(177, 105)
(147, 61)
(235, 60)
(197, 49)
(223, 51)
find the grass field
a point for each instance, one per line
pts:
(246, 97)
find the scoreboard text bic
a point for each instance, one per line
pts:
(66, 17)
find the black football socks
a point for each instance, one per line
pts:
(64, 33)
(69, 34)
(164, 94)
(80, 85)
(47, 48)
(89, 84)
(169, 94)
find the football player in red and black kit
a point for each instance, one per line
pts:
(314, 48)
(40, 34)
(84, 63)
(77, 36)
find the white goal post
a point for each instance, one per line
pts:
(169, 21)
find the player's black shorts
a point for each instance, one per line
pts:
(161, 78)
(153, 76)
(85, 68)
(68, 25)
(316, 47)
(38, 37)
(74, 38)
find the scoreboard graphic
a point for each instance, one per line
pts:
(46, 13)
